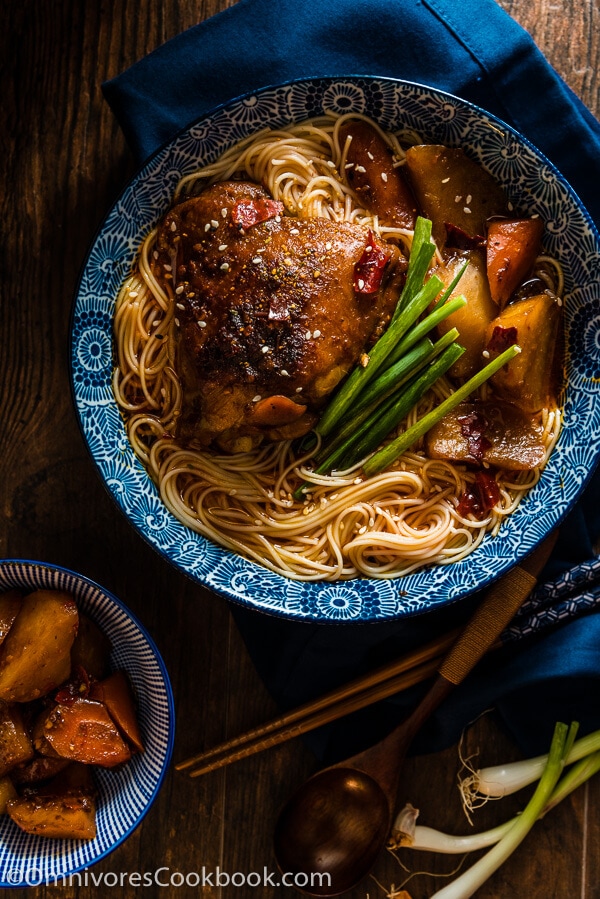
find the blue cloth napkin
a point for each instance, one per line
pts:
(475, 50)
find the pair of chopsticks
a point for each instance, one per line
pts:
(401, 674)
(549, 605)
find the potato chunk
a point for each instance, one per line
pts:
(35, 656)
(7, 792)
(473, 319)
(63, 807)
(15, 744)
(527, 380)
(491, 431)
(452, 188)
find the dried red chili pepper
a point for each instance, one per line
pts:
(247, 213)
(368, 271)
(501, 339)
(479, 497)
(473, 427)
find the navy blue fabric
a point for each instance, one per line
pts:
(475, 50)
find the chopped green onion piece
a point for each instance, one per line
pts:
(395, 448)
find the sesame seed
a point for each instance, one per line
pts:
(222, 247)
(277, 218)
(179, 289)
(469, 199)
(257, 260)
(384, 177)
(214, 223)
(370, 155)
(457, 198)
(177, 322)
(486, 354)
(201, 324)
(224, 267)
(257, 398)
(361, 284)
(173, 226)
(308, 335)
(349, 165)
(264, 349)
(285, 373)
(510, 207)
(361, 169)
(224, 212)
(155, 255)
(445, 180)
(331, 164)
(295, 231)
(207, 226)
(133, 294)
(156, 323)
(316, 333)
(467, 210)
(328, 245)
(180, 306)
(298, 389)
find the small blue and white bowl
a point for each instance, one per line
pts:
(124, 794)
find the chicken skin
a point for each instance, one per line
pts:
(271, 311)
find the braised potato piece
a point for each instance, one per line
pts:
(83, 731)
(10, 605)
(15, 744)
(91, 649)
(473, 319)
(491, 431)
(7, 792)
(512, 248)
(38, 769)
(35, 656)
(452, 188)
(64, 809)
(528, 379)
(371, 172)
(116, 694)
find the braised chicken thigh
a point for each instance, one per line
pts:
(271, 311)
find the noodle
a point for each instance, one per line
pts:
(348, 526)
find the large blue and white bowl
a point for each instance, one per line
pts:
(532, 184)
(125, 794)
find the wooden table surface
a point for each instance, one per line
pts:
(63, 160)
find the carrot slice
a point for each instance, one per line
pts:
(512, 247)
(84, 731)
(116, 694)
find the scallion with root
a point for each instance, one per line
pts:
(470, 881)
(505, 838)
(496, 781)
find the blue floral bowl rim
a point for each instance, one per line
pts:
(473, 586)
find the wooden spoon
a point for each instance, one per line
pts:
(334, 827)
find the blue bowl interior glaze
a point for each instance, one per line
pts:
(533, 185)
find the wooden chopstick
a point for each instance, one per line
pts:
(372, 687)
